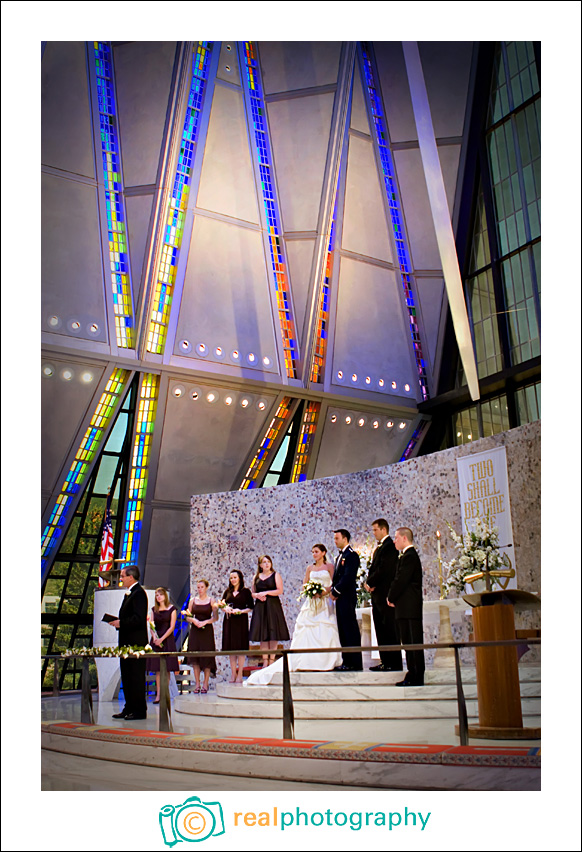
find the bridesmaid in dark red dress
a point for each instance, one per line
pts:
(235, 627)
(201, 613)
(268, 625)
(163, 616)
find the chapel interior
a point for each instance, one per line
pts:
(247, 282)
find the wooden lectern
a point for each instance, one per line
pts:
(498, 691)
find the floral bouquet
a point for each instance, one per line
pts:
(154, 633)
(311, 589)
(477, 550)
(221, 604)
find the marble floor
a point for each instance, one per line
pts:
(72, 772)
(87, 770)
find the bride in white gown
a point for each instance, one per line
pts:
(316, 626)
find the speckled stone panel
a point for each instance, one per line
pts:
(231, 530)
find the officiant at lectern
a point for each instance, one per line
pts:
(132, 626)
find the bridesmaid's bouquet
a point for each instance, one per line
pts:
(154, 632)
(311, 589)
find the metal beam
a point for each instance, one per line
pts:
(440, 213)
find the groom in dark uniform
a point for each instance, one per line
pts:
(343, 592)
(380, 578)
(133, 630)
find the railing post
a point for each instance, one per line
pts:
(288, 718)
(165, 704)
(463, 725)
(56, 691)
(86, 699)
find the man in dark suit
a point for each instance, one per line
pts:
(405, 595)
(380, 577)
(343, 592)
(133, 630)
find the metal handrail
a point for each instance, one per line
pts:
(165, 720)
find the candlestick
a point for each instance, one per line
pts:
(440, 561)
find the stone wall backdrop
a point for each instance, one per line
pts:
(233, 529)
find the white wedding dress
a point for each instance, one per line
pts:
(316, 626)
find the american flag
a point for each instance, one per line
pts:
(106, 562)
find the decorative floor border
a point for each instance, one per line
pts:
(443, 755)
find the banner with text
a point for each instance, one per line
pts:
(484, 491)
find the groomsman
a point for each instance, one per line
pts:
(344, 593)
(405, 595)
(380, 577)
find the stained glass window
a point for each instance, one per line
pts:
(264, 454)
(138, 475)
(114, 203)
(374, 97)
(91, 443)
(305, 443)
(176, 210)
(252, 78)
(322, 333)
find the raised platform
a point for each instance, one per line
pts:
(353, 730)
(324, 701)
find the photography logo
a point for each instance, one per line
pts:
(193, 820)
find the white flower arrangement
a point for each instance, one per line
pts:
(477, 550)
(124, 651)
(365, 554)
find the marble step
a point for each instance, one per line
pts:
(417, 731)
(527, 674)
(409, 706)
(358, 692)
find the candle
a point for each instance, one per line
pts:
(438, 535)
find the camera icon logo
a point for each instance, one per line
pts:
(193, 820)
